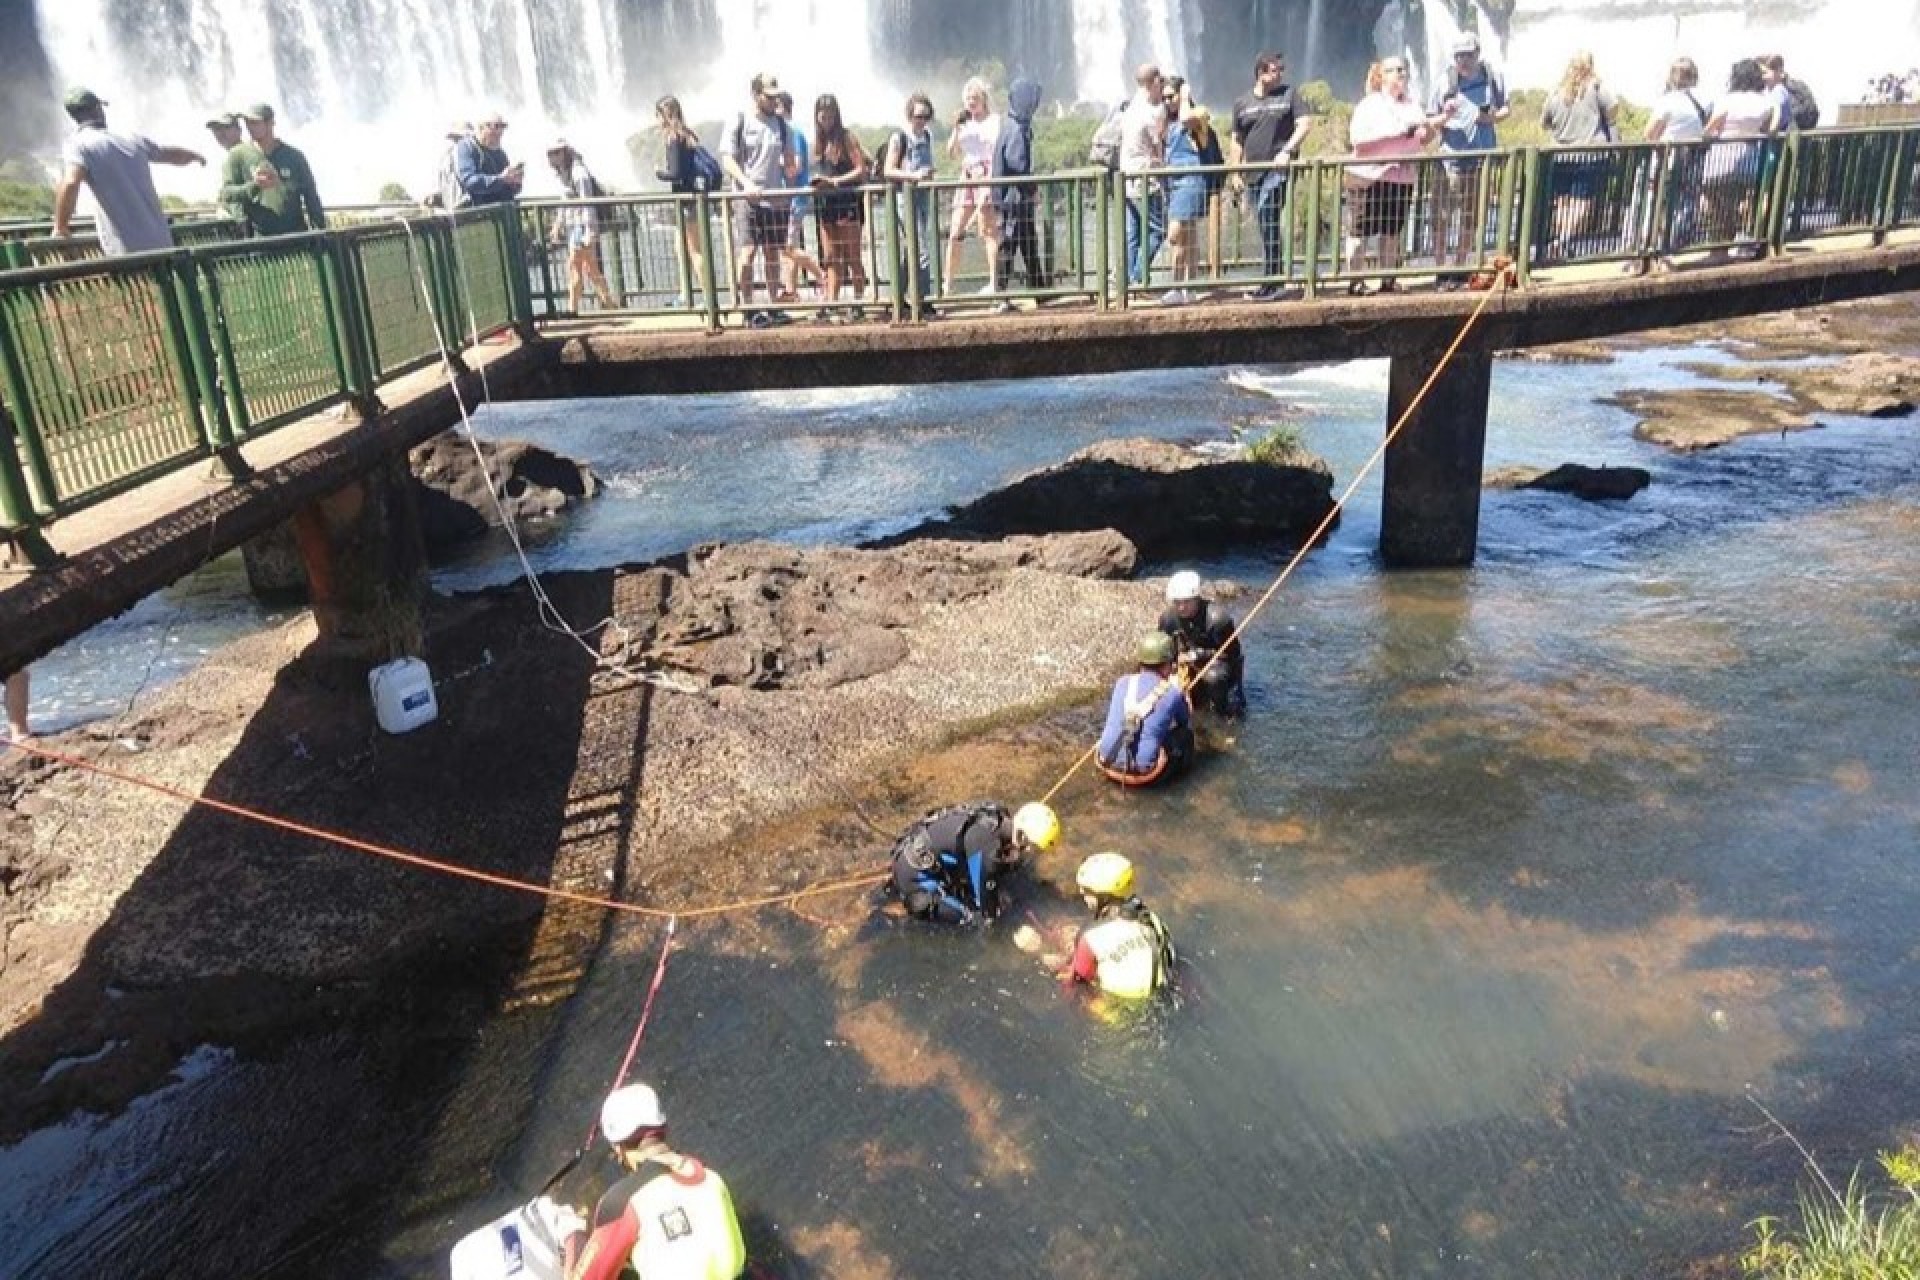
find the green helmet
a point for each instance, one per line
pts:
(1156, 647)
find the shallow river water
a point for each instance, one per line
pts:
(1513, 887)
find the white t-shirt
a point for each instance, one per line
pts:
(1142, 131)
(1683, 118)
(977, 140)
(1747, 114)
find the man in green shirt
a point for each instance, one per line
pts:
(270, 182)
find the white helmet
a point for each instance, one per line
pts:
(628, 1110)
(1184, 585)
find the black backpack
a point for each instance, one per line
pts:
(1806, 110)
(877, 162)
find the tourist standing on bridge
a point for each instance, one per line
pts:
(270, 181)
(1468, 106)
(756, 150)
(1681, 116)
(1388, 128)
(908, 162)
(1143, 146)
(578, 227)
(797, 261)
(840, 169)
(1269, 126)
(227, 133)
(688, 169)
(1186, 192)
(481, 167)
(1017, 202)
(1149, 731)
(975, 138)
(1743, 118)
(1578, 114)
(118, 169)
(670, 1217)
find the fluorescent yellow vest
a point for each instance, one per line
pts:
(1128, 953)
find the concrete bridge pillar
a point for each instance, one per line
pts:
(1430, 510)
(366, 565)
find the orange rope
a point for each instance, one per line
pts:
(445, 868)
(1504, 280)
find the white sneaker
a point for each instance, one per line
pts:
(1175, 298)
(987, 290)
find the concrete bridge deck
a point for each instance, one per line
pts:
(123, 549)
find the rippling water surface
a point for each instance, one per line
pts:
(1514, 884)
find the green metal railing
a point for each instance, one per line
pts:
(113, 370)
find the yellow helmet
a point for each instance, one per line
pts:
(1038, 825)
(1106, 875)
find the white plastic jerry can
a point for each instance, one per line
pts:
(527, 1244)
(402, 695)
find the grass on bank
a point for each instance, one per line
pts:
(1860, 1233)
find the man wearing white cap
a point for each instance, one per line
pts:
(1469, 101)
(670, 1218)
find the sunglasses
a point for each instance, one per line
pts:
(920, 117)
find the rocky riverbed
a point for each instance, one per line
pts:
(708, 695)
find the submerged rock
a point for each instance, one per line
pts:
(1593, 484)
(1165, 499)
(452, 486)
(1705, 418)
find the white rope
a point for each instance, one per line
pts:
(549, 613)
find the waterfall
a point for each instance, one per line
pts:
(1311, 64)
(1100, 72)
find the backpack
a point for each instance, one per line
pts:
(707, 175)
(1806, 110)
(1105, 151)
(877, 162)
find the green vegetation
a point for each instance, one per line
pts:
(1855, 1234)
(1271, 445)
(24, 193)
(394, 193)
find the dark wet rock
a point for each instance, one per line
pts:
(1165, 499)
(767, 615)
(532, 483)
(1594, 484)
(1704, 418)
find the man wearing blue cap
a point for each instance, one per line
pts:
(118, 169)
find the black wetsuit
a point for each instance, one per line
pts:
(947, 866)
(1197, 639)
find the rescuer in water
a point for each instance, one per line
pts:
(1201, 630)
(1125, 952)
(1149, 730)
(948, 865)
(670, 1218)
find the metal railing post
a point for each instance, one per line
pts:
(1122, 278)
(916, 293)
(1531, 176)
(347, 337)
(196, 336)
(1102, 197)
(513, 261)
(709, 279)
(1312, 172)
(17, 517)
(39, 493)
(1787, 153)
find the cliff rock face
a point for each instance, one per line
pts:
(1166, 500)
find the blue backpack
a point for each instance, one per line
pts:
(706, 170)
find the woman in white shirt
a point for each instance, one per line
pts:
(1739, 126)
(1681, 116)
(1387, 127)
(976, 135)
